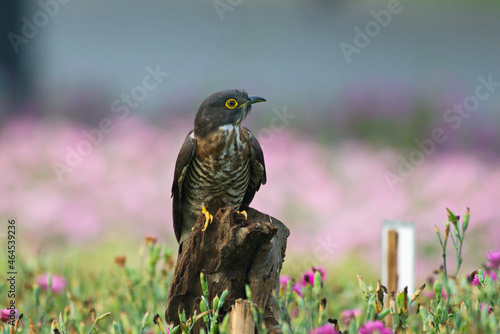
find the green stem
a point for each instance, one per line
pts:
(459, 255)
(444, 263)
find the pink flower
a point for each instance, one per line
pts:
(58, 282)
(284, 280)
(6, 313)
(489, 308)
(432, 294)
(295, 287)
(374, 327)
(475, 280)
(298, 289)
(308, 276)
(493, 275)
(321, 270)
(494, 258)
(347, 315)
(325, 329)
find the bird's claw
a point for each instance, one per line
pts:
(244, 213)
(208, 218)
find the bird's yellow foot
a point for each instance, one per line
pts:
(244, 213)
(208, 218)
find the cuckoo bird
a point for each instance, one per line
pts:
(220, 163)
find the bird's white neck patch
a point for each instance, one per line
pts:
(231, 134)
(228, 127)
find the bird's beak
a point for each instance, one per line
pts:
(252, 100)
(255, 99)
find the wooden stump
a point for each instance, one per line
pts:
(392, 270)
(241, 318)
(231, 253)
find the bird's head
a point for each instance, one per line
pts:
(227, 107)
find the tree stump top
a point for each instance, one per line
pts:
(232, 252)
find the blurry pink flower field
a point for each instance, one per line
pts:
(334, 199)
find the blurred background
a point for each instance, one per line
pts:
(377, 110)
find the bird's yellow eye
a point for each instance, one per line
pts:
(231, 103)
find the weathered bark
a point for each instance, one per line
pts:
(231, 253)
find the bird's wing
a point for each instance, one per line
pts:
(181, 167)
(257, 169)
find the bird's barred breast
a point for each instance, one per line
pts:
(220, 171)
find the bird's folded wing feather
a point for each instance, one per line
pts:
(257, 169)
(181, 167)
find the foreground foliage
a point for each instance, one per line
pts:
(66, 298)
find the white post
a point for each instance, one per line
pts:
(405, 254)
